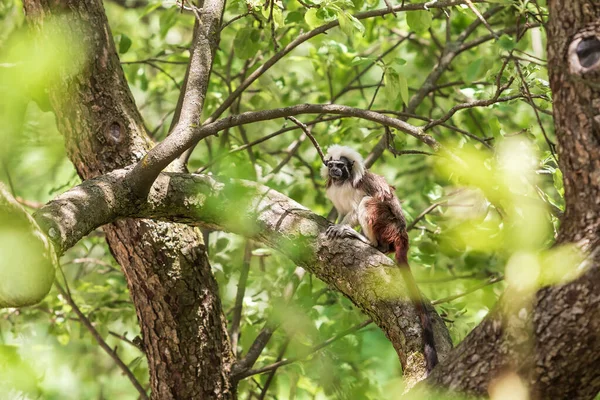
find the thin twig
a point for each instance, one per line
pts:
(472, 104)
(146, 170)
(261, 140)
(263, 337)
(471, 290)
(8, 178)
(409, 152)
(422, 215)
(239, 297)
(156, 60)
(128, 341)
(451, 278)
(311, 351)
(481, 18)
(306, 131)
(85, 260)
(551, 144)
(112, 353)
(29, 203)
(265, 388)
(376, 91)
(232, 20)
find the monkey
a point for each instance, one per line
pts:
(366, 199)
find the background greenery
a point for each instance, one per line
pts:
(460, 247)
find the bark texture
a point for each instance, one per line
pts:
(561, 362)
(168, 274)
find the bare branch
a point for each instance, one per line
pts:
(551, 145)
(422, 215)
(490, 281)
(263, 139)
(481, 18)
(262, 214)
(306, 131)
(124, 338)
(239, 297)
(145, 172)
(310, 352)
(263, 337)
(232, 20)
(472, 104)
(202, 52)
(265, 388)
(112, 353)
(317, 31)
(451, 50)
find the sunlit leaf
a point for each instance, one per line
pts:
(419, 21)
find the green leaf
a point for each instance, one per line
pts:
(345, 24)
(149, 8)
(558, 182)
(356, 24)
(506, 42)
(278, 17)
(362, 60)
(397, 63)
(495, 128)
(168, 20)
(403, 88)
(419, 21)
(472, 70)
(124, 43)
(391, 90)
(312, 19)
(246, 42)
(294, 16)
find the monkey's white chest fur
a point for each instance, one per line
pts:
(344, 197)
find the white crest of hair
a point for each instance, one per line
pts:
(336, 152)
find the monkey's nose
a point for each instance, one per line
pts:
(336, 173)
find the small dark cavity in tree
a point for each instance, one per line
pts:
(588, 52)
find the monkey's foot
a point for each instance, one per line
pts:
(344, 231)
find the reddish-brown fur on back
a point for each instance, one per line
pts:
(386, 221)
(386, 218)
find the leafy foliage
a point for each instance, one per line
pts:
(482, 221)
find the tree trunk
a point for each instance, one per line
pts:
(562, 361)
(167, 270)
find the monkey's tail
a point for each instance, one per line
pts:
(429, 350)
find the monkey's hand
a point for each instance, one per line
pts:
(344, 231)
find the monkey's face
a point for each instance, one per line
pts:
(340, 170)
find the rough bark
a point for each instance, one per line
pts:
(166, 267)
(561, 358)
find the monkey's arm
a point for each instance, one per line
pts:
(350, 219)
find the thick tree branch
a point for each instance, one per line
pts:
(143, 174)
(202, 53)
(170, 280)
(367, 277)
